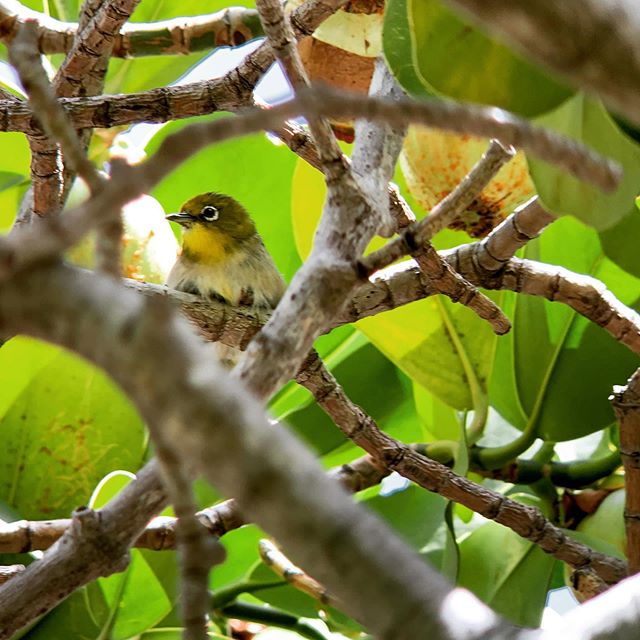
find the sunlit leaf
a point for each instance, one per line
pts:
(65, 425)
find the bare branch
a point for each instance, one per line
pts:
(25, 59)
(524, 520)
(281, 37)
(626, 404)
(90, 43)
(229, 27)
(511, 234)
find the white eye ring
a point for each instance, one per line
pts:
(209, 213)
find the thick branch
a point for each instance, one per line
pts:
(213, 423)
(97, 544)
(90, 43)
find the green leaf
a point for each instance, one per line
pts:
(413, 513)
(438, 419)
(286, 597)
(241, 546)
(397, 45)
(136, 599)
(453, 58)
(620, 243)
(308, 193)
(252, 169)
(14, 172)
(586, 120)
(9, 179)
(64, 426)
(70, 619)
(507, 572)
(440, 345)
(535, 384)
(109, 487)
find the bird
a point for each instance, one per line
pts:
(224, 258)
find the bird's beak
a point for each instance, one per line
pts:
(181, 218)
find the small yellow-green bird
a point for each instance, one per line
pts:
(223, 258)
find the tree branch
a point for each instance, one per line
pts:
(361, 561)
(526, 521)
(95, 544)
(229, 27)
(626, 404)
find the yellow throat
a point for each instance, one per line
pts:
(207, 246)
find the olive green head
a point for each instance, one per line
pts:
(216, 211)
(215, 225)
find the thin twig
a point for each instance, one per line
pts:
(626, 404)
(228, 27)
(526, 521)
(280, 564)
(25, 59)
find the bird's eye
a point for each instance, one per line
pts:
(209, 213)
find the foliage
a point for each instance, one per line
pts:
(423, 371)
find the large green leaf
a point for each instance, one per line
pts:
(509, 573)
(132, 601)
(431, 50)
(251, 169)
(620, 243)
(549, 375)
(586, 120)
(442, 346)
(64, 426)
(136, 599)
(242, 554)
